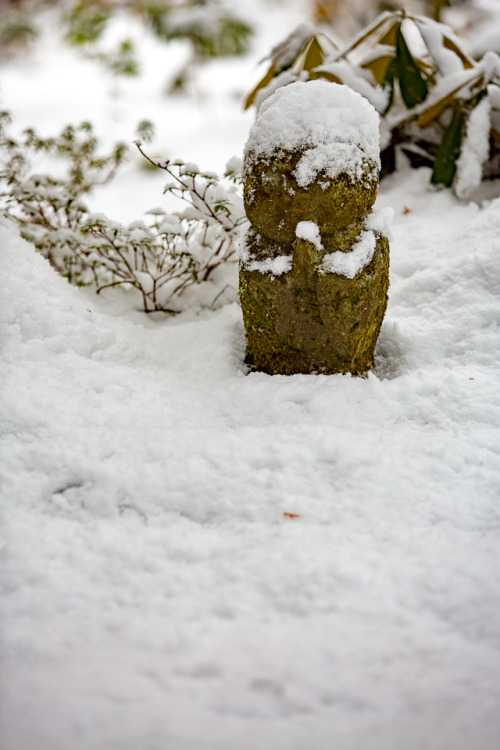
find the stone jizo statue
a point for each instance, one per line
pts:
(314, 266)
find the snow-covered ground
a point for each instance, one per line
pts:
(198, 558)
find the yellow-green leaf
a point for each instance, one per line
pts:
(313, 54)
(389, 36)
(326, 75)
(382, 25)
(432, 112)
(453, 46)
(378, 67)
(261, 85)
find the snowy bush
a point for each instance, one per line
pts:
(160, 257)
(213, 31)
(437, 105)
(210, 28)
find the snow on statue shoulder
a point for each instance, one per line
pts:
(310, 180)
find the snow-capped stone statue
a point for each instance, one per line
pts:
(314, 265)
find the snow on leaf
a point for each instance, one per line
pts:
(443, 46)
(475, 149)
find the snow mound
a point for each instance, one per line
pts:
(309, 230)
(275, 266)
(335, 127)
(295, 561)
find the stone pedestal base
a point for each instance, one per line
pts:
(311, 321)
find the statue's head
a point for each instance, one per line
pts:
(312, 155)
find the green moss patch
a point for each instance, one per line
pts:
(275, 203)
(307, 321)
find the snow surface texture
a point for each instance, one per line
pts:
(154, 594)
(158, 592)
(337, 129)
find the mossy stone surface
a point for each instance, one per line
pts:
(275, 203)
(261, 248)
(309, 321)
(317, 167)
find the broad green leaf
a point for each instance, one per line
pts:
(445, 164)
(427, 70)
(412, 84)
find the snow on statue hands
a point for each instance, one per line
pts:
(314, 266)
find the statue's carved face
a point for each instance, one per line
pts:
(275, 202)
